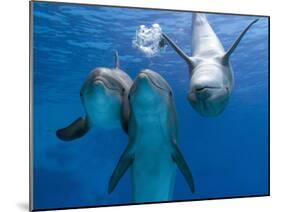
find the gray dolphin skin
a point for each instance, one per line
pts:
(211, 75)
(104, 96)
(152, 151)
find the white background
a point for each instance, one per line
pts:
(14, 103)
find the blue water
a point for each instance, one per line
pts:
(228, 154)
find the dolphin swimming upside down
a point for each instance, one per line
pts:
(211, 75)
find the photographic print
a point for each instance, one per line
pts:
(137, 105)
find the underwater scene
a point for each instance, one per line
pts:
(139, 105)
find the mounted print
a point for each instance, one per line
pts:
(137, 105)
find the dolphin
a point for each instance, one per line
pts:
(104, 96)
(152, 150)
(211, 75)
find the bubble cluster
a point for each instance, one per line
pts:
(149, 40)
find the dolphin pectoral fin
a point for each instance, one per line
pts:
(237, 41)
(178, 50)
(125, 126)
(181, 163)
(125, 113)
(75, 130)
(123, 164)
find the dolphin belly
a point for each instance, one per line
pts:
(204, 40)
(153, 174)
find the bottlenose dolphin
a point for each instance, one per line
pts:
(104, 96)
(211, 75)
(152, 150)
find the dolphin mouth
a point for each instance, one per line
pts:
(99, 81)
(204, 88)
(144, 75)
(208, 103)
(208, 93)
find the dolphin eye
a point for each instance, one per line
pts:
(170, 93)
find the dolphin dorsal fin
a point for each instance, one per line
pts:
(180, 52)
(236, 42)
(117, 63)
(199, 18)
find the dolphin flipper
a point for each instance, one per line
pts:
(180, 52)
(181, 163)
(124, 163)
(236, 42)
(125, 113)
(75, 130)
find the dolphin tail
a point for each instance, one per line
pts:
(117, 63)
(123, 164)
(236, 42)
(199, 18)
(75, 130)
(182, 165)
(180, 52)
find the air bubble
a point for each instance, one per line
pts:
(149, 40)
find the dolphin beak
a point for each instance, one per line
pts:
(142, 84)
(142, 76)
(99, 87)
(206, 92)
(98, 83)
(143, 79)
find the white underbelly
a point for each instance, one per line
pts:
(153, 174)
